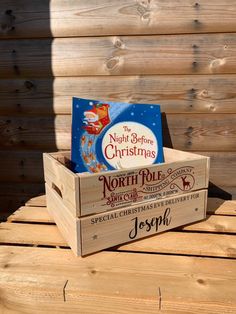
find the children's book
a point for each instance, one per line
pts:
(113, 135)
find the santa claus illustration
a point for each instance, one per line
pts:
(96, 118)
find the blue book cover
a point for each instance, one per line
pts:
(113, 135)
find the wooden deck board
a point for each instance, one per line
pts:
(32, 234)
(187, 243)
(187, 284)
(39, 201)
(31, 214)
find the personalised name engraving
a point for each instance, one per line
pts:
(150, 224)
(135, 222)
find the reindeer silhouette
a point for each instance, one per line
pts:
(186, 184)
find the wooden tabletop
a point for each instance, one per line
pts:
(189, 270)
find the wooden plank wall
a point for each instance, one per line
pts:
(180, 53)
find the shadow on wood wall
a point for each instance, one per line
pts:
(26, 106)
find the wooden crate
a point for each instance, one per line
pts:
(85, 194)
(90, 229)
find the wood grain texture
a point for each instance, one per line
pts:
(196, 132)
(21, 167)
(91, 18)
(125, 55)
(31, 214)
(186, 243)
(15, 194)
(38, 201)
(214, 223)
(220, 174)
(30, 234)
(176, 94)
(210, 290)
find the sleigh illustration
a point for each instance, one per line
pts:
(96, 119)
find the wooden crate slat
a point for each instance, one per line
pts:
(177, 94)
(88, 18)
(126, 55)
(195, 132)
(187, 243)
(32, 234)
(210, 289)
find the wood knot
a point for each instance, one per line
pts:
(190, 129)
(112, 63)
(16, 70)
(8, 12)
(29, 85)
(201, 281)
(217, 63)
(192, 93)
(231, 252)
(197, 23)
(204, 93)
(118, 43)
(7, 21)
(212, 108)
(93, 271)
(195, 65)
(143, 9)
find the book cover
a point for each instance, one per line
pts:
(113, 135)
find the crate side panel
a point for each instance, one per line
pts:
(67, 224)
(108, 191)
(135, 222)
(172, 155)
(63, 181)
